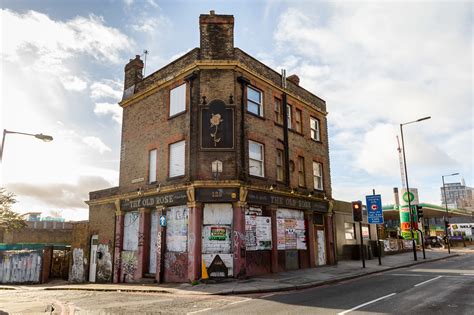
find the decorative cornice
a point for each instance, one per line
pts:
(211, 64)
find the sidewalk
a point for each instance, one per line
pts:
(283, 281)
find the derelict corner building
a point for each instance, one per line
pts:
(224, 162)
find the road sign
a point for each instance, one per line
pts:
(412, 195)
(374, 209)
(162, 220)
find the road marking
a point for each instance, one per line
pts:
(367, 303)
(468, 274)
(203, 310)
(268, 295)
(405, 274)
(244, 300)
(421, 283)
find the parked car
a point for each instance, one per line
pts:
(434, 241)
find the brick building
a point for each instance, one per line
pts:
(227, 153)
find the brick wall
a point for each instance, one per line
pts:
(39, 235)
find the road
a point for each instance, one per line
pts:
(443, 287)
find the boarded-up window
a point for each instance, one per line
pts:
(177, 158)
(291, 229)
(298, 125)
(177, 229)
(178, 100)
(279, 165)
(152, 166)
(130, 230)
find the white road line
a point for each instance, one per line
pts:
(421, 283)
(244, 300)
(468, 274)
(203, 310)
(365, 304)
(405, 274)
(268, 295)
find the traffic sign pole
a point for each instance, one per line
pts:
(379, 252)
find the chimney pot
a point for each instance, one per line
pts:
(212, 12)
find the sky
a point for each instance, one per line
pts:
(377, 64)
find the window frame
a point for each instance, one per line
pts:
(262, 161)
(316, 131)
(152, 165)
(301, 172)
(260, 105)
(289, 108)
(170, 175)
(278, 109)
(280, 168)
(316, 176)
(174, 114)
(298, 123)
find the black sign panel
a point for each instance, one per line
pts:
(264, 198)
(217, 126)
(217, 194)
(170, 199)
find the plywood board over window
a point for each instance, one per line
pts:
(130, 230)
(177, 100)
(177, 158)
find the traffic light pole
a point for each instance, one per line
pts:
(361, 245)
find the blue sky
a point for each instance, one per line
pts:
(377, 64)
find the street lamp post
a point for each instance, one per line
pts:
(40, 136)
(446, 222)
(408, 189)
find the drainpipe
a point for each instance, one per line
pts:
(243, 83)
(285, 140)
(192, 162)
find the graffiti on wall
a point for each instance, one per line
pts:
(77, 269)
(129, 265)
(176, 267)
(104, 263)
(20, 266)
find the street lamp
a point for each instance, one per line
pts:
(408, 189)
(40, 136)
(446, 204)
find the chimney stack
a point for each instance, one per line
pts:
(133, 73)
(217, 36)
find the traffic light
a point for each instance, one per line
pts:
(357, 211)
(419, 211)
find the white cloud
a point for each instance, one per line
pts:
(73, 83)
(96, 144)
(378, 65)
(109, 108)
(106, 89)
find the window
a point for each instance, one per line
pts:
(280, 167)
(152, 166)
(254, 101)
(176, 159)
(349, 231)
(298, 120)
(318, 175)
(314, 129)
(288, 113)
(256, 159)
(278, 112)
(178, 100)
(301, 176)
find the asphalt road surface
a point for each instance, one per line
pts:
(443, 287)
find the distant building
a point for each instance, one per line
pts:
(458, 195)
